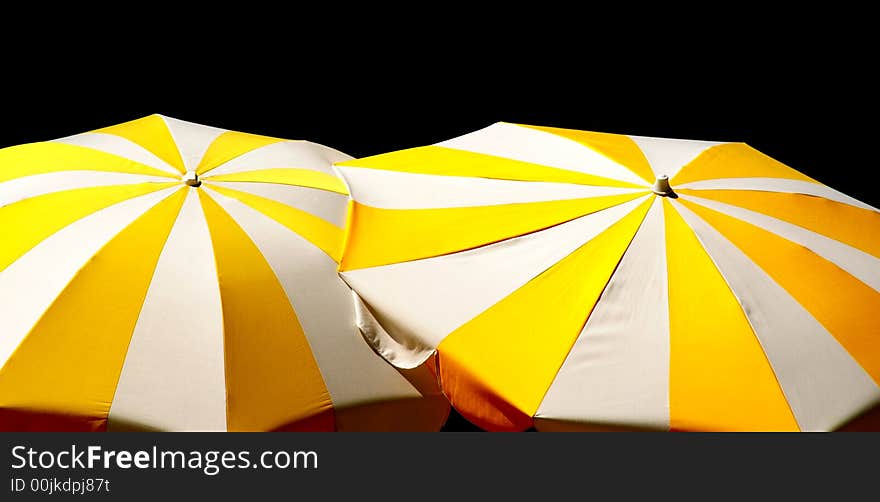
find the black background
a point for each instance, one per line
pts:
(811, 110)
(801, 100)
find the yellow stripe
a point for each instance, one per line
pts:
(230, 145)
(854, 226)
(318, 231)
(272, 379)
(152, 133)
(443, 161)
(39, 158)
(719, 377)
(617, 147)
(70, 361)
(734, 160)
(27, 222)
(517, 346)
(378, 236)
(847, 307)
(287, 176)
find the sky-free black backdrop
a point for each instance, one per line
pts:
(811, 109)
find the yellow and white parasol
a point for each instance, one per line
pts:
(572, 280)
(164, 275)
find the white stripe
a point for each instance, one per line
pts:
(859, 264)
(117, 145)
(173, 377)
(776, 185)
(30, 284)
(823, 384)
(668, 156)
(192, 140)
(352, 372)
(617, 372)
(329, 206)
(398, 190)
(403, 354)
(26, 187)
(539, 147)
(296, 154)
(425, 300)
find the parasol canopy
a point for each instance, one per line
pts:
(164, 275)
(581, 280)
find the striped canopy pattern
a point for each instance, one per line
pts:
(563, 289)
(164, 275)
